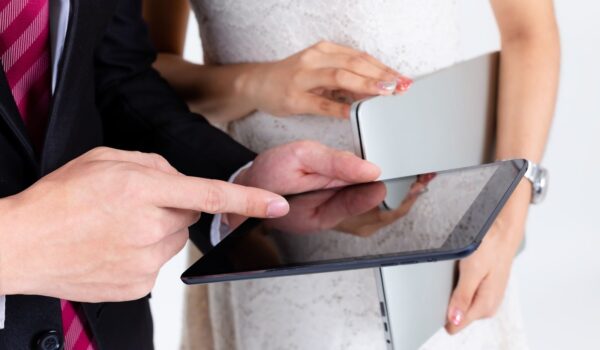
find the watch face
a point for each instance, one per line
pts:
(540, 186)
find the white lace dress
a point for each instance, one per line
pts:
(333, 310)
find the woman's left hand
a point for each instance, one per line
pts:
(483, 276)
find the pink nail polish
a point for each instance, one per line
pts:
(404, 84)
(457, 317)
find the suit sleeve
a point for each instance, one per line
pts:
(140, 111)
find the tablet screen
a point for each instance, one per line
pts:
(433, 212)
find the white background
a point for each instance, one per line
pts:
(559, 272)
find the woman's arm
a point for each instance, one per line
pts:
(528, 84)
(308, 82)
(529, 74)
(208, 90)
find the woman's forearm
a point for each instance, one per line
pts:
(214, 91)
(527, 95)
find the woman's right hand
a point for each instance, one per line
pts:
(323, 79)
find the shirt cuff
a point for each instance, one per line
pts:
(2, 310)
(218, 229)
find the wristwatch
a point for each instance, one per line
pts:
(538, 176)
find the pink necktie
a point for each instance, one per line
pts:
(25, 56)
(76, 335)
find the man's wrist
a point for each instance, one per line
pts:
(241, 176)
(14, 247)
(7, 207)
(223, 223)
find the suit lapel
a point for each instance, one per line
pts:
(66, 62)
(11, 116)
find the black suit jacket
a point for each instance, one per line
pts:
(107, 94)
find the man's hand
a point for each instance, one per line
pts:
(353, 210)
(305, 166)
(101, 227)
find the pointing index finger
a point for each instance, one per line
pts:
(214, 196)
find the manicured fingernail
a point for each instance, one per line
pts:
(403, 84)
(456, 317)
(386, 86)
(277, 208)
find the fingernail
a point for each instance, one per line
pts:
(277, 208)
(371, 171)
(403, 84)
(456, 317)
(386, 86)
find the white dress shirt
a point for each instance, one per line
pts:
(219, 230)
(59, 20)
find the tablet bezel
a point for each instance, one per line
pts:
(192, 276)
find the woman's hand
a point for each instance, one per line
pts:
(484, 275)
(526, 99)
(323, 79)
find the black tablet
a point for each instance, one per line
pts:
(427, 217)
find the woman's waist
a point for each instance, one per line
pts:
(260, 131)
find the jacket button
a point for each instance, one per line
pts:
(49, 341)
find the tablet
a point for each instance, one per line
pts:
(446, 120)
(442, 216)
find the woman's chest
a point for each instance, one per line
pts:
(415, 36)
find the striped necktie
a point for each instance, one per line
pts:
(25, 56)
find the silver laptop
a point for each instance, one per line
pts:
(413, 301)
(446, 120)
